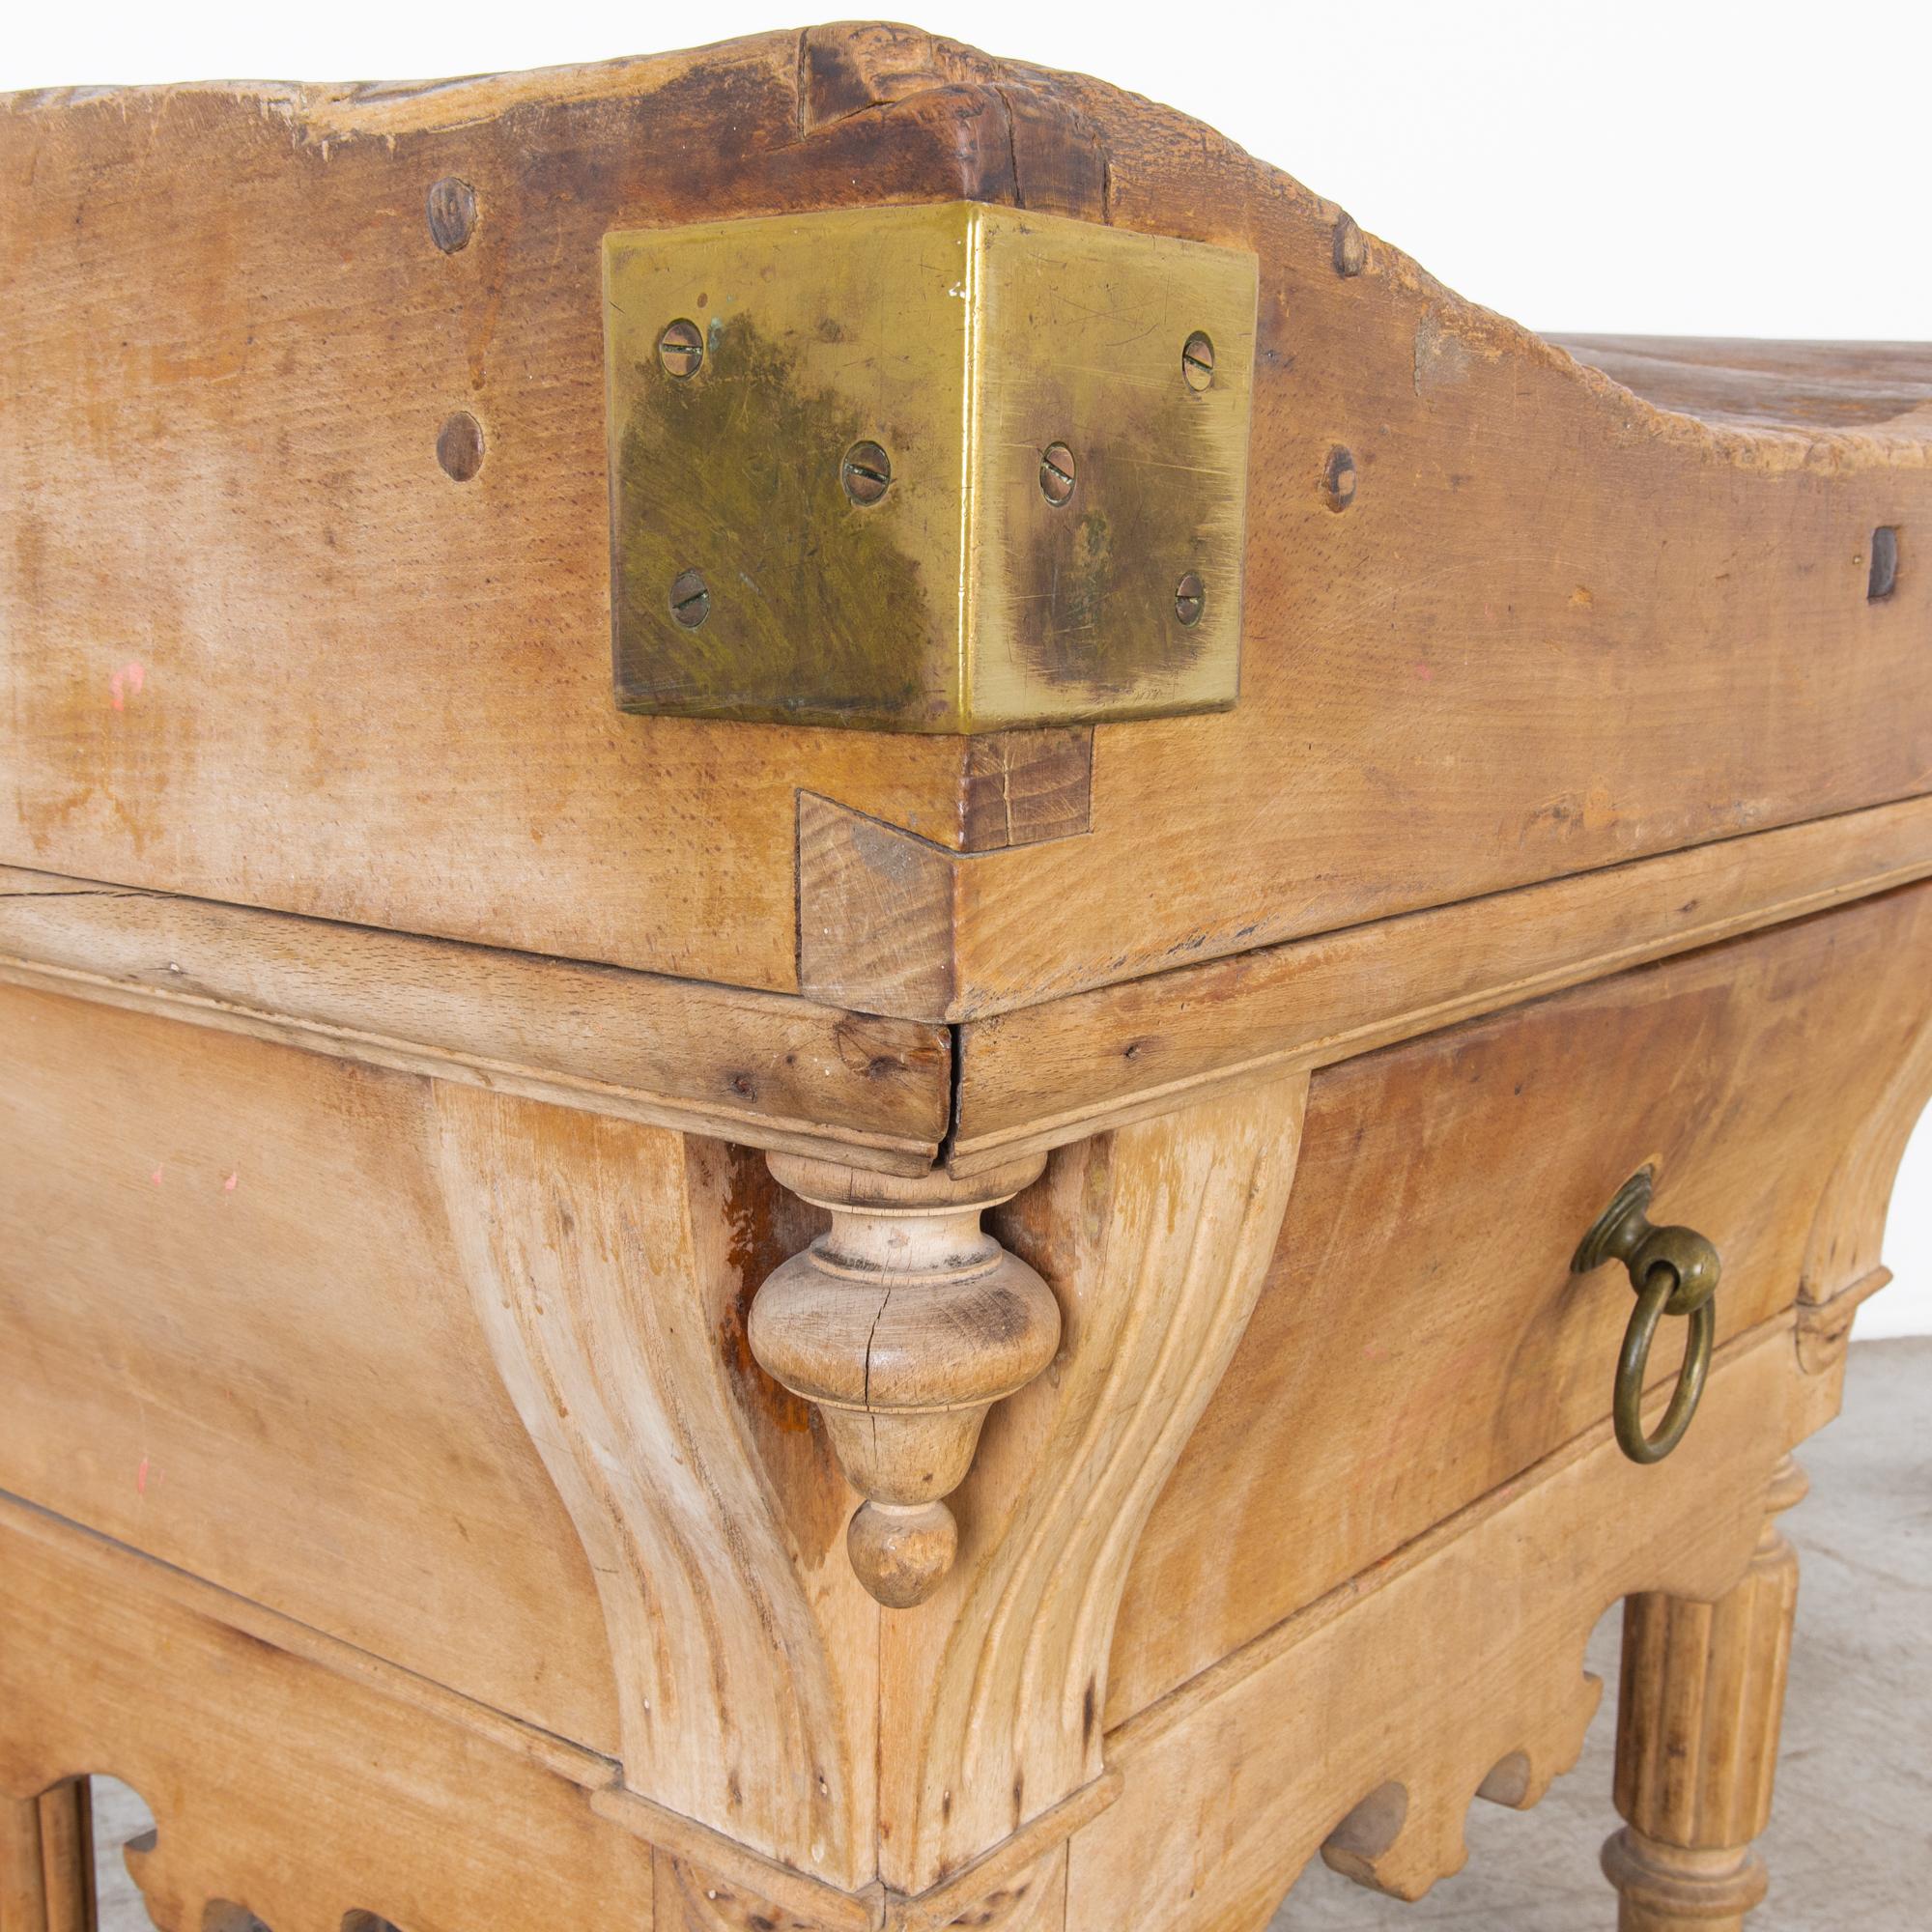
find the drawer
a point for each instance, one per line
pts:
(235, 1333)
(1420, 1339)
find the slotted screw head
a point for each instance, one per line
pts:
(690, 599)
(1190, 599)
(1056, 473)
(1197, 360)
(681, 349)
(867, 472)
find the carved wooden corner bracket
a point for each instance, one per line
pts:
(937, 1749)
(903, 1324)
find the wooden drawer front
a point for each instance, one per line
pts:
(234, 1332)
(1421, 1340)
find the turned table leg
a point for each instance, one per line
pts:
(1703, 1687)
(46, 1860)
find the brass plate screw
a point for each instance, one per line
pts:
(1056, 473)
(459, 446)
(867, 472)
(451, 208)
(681, 349)
(690, 599)
(1197, 360)
(1190, 599)
(1338, 479)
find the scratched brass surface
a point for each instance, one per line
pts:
(964, 341)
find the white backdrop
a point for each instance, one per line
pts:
(1694, 168)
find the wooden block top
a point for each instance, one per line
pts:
(306, 593)
(1831, 385)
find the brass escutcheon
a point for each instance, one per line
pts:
(1672, 1271)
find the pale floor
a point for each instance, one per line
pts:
(1850, 1845)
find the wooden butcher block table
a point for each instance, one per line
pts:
(906, 1020)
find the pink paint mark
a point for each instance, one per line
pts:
(1425, 673)
(126, 681)
(141, 1478)
(156, 1176)
(228, 1186)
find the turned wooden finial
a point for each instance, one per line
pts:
(903, 1324)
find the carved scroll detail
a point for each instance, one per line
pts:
(1848, 1227)
(595, 1253)
(1409, 1831)
(1156, 1239)
(1841, 1268)
(904, 1324)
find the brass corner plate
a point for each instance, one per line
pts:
(759, 570)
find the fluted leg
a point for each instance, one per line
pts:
(1703, 1688)
(46, 1862)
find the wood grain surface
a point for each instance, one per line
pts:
(291, 1793)
(292, 1774)
(236, 1335)
(1421, 1339)
(994, 1692)
(1050, 1074)
(1697, 1728)
(47, 1859)
(1835, 385)
(605, 1263)
(260, 646)
(390, 1027)
(762, 1068)
(1417, 1682)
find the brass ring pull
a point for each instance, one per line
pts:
(1633, 1365)
(1673, 1271)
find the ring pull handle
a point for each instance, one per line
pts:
(1672, 1271)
